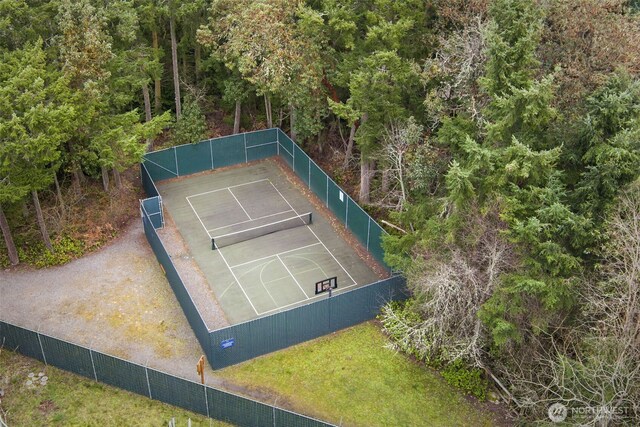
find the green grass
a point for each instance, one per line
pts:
(350, 377)
(347, 378)
(72, 400)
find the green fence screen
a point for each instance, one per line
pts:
(177, 285)
(161, 164)
(178, 392)
(68, 356)
(147, 182)
(193, 158)
(280, 330)
(337, 200)
(318, 182)
(161, 386)
(21, 340)
(152, 207)
(121, 373)
(208, 155)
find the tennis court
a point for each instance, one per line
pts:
(259, 241)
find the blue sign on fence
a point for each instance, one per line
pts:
(227, 343)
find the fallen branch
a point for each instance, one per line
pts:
(393, 226)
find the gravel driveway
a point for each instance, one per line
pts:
(115, 300)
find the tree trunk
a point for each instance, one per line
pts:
(157, 90)
(267, 107)
(236, 121)
(76, 171)
(174, 64)
(78, 178)
(147, 111)
(366, 173)
(280, 118)
(320, 137)
(349, 153)
(59, 193)
(147, 102)
(292, 122)
(41, 224)
(386, 177)
(105, 178)
(8, 239)
(117, 179)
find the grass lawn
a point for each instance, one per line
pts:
(71, 400)
(350, 378)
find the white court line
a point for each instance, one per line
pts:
(271, 256)
(310, 261)
(226, 289)
(244, 274)
(238, 281)
(294, 277)
(267, 281)
(198, 216)
(303, 302)
(249, 220)
(226, 188)
(238, 201)
(325, 246)
(263, 284)
(299, 272)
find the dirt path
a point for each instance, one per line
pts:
(116, 300)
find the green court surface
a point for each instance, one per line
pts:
(258, 276)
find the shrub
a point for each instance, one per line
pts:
(471, 380)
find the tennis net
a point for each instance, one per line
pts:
(218, 242)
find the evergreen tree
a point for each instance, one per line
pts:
(35, 119)
(191, 126)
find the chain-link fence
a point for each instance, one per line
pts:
(286, 328)
(354, 218)
(154, 384)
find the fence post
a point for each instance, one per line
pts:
(41, 348)
(175, 155)
(206, 401)
(95, 375)
(211, 152)
(273, 411)
(246, 157)
(146, 373)
(346, 214)
(325, 174)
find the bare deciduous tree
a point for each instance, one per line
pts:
(458, 64)
(594, 370)
(450, 292)
(398, 140)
